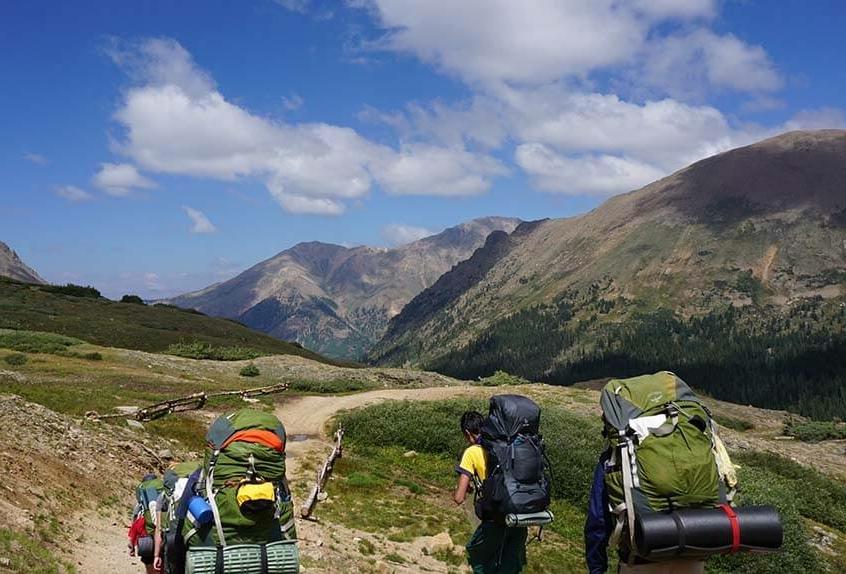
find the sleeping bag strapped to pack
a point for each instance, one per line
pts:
(146, 500)
(243, 482)
(666, 456)
(517, 481)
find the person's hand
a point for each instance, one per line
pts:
(157, 564)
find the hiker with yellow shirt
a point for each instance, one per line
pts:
(493, 548)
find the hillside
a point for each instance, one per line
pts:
(338, 300)
(11, 266)
(132, 326)
(731, 270)
(389, 509)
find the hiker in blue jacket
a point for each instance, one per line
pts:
(599, 525)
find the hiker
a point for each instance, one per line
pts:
(656, 425)
(493, 548)
(141, 542)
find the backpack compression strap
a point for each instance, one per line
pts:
(735, 527)
(630, 480)
(210, 494)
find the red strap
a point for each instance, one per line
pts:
(735, 527)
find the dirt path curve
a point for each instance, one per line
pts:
(306, 415)
(103, 548)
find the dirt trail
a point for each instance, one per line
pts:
(103, 547)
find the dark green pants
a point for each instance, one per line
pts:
(495, 549)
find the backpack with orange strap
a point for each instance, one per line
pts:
(243, 483)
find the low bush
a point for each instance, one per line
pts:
(249, 371)
(733, 423)
(132, 299)
(36, 342)
(73, 290)
(332, 386)
(15, 359)
(501, 378)
(815, 431)
(200, 350)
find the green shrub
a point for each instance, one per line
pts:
(91, 356)
(815, 431)
(200, 350)
(16, 359)
(132, 299)
(249, 371)
(332, 386)
(733, 423)
(73, 290)
(36, 342)
(501, 378)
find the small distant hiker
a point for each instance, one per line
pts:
(504, 465)
(142, 528)
(667, 471)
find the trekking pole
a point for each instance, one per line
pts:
(322, 477)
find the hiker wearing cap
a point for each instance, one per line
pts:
(493, 548)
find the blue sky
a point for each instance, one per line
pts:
(156, 147)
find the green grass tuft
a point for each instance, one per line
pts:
(249, 371)
(815, 431)
(201, 350)
(16, 359)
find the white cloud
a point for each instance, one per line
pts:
(503, 40)
(72, 193)
(816, 119)
(36, 158)
(292, 102)
(119, 179)
(421, 169)
(683, 9)
(199, 222)
(399, 234)
(300, 6)
(686, 66)
(178, 124)
(586, 175)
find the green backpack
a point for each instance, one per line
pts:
(146, 498)
(243, 479)
(665, 451)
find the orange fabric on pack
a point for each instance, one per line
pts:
(267, 438)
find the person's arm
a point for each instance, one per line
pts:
(597, 523)
(157, 545)
(461, 490)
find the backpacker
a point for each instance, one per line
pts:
(666, 454)
(243, 481)
(146, 504)
(517, 483)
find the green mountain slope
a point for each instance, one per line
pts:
(731, 271)
(126, 325)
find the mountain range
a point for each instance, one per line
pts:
(11, 266)
(338, 300)
(736, 262)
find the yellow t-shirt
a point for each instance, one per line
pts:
(473, 463)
